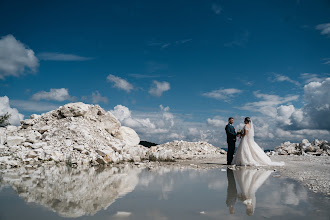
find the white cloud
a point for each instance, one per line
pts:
(158, 88)
(326, 61)
(62, 57)
(33, 106)
(222, 94)
(216, 8)
(97, 97)
(120, 83)
(312, 77)
(282, 78)
(216, 122)
(315, 114)
(61, 94)
(324, 28)
(269, 103)
(15, 116)
(15, 58)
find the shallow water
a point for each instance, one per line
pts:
(161, 193)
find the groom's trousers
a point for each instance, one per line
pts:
(231, 151)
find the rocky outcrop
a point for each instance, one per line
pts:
(80, 134)
(183, 150)
(316, 147)
(75, 133)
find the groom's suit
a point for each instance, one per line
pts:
(231, 140)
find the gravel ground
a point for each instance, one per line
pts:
(312, 171)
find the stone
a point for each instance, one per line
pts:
(74, 109)
(79, 147)
(14, 140)
(128, 135)
(38, 145)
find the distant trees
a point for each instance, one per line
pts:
(4, 119)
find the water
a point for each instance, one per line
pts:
(161, 193)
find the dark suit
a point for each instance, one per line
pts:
(231, 140)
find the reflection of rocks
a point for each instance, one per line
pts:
(304, 148)
(72, 192)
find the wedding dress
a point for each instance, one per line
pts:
(249, 153)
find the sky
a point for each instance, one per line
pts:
(173, 70)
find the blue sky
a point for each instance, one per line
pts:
(185, 66)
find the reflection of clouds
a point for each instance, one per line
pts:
(72, 192)
(292, 195)
(217, 184)
(283, 199)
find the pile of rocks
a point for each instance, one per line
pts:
(75, 133)
(317, 148)
(82, 134)
(184, 150)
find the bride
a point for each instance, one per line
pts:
(248, 151)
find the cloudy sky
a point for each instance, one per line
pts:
(173, 69)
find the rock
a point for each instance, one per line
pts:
(79, 147)
(43, 129)
(11, 128)
(128, 135)
(38, 145)
(14, 140)
(315, 148)
(74, 109)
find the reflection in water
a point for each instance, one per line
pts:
(72, 192)
(161, 192)
(248, 180)
(231, 191)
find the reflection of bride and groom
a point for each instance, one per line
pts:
(248, 182)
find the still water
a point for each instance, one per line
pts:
(162, 193)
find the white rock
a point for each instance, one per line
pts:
(38, 145)
(128, 136)
(74, 109)
(14, 140)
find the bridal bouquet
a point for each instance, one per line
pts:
(239, 133)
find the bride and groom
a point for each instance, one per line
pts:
(248, 151)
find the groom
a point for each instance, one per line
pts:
(231, 139)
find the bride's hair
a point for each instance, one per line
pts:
(247, 119)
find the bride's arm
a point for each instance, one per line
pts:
(246, 131)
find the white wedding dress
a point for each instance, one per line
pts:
(249, 153)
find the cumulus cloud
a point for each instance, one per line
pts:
(158, 88)
(61, 94)
(324, 28)
(269, 103)
(216, 122)
(222, 94)
(62, 57)
(97, 97)
(283, 78)
(120, 83)
(15, 116)
(314, 114)
(16, 58)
